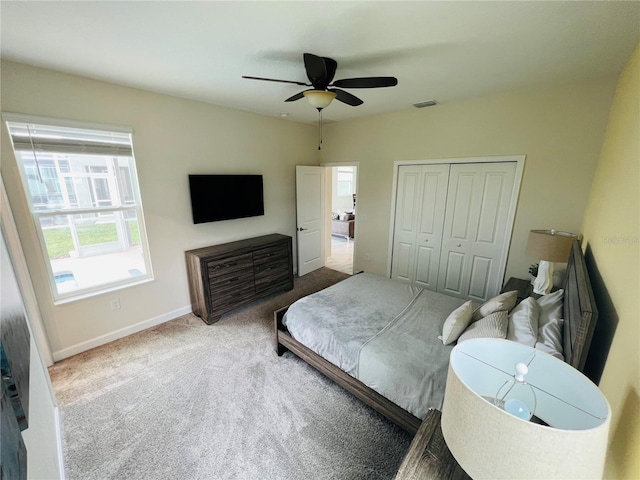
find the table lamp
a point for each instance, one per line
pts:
(548, 246)
(511, 411)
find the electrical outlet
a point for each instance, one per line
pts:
(115, 304)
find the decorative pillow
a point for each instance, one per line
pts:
(523, 322)
(551, 307)
(493, 325)
(343, 216)
(335, 215)
(456, 323)
(504, 301)
(550, 338)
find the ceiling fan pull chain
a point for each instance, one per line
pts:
(320, 128)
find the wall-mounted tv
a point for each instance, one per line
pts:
(224, 197)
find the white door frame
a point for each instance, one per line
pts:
(511, 215)
(330, 165)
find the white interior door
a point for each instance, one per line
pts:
(310, 184)
(419, 219)
(406, 222)
(475, 227)
(433, 200)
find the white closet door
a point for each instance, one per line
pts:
(406, 222)
(474, 229)
(419, 219)
(433, 199)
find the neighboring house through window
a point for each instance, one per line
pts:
(82, 189)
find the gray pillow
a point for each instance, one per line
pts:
(493, 325)
(504, 301)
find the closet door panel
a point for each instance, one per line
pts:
(433, 200)
(403, 262)
(451, 280)
(460, 227)
(406, 222)
(497, 184)
(480, 275)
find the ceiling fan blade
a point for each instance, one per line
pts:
(366, 82)
(276, 80)
(331, 65)
(316, 71)
(295, 97)
(346, 97)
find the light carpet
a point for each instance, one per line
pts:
(185, 400)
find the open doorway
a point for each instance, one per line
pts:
(343, 217)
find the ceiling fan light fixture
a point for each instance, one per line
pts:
(319, 98)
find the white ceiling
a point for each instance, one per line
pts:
(444, 50)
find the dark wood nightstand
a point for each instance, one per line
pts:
(524, 288)
(428, 456)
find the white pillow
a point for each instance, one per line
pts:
(550, 338)
(504, 301)
(456, 323)
(551, 307)
(523, 322)
(493, 325)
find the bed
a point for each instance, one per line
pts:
(354, 357)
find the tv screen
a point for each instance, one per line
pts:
(224, 197)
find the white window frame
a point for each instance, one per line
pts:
(116, 210)
(344, 171)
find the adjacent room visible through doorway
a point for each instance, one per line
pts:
(343, 218)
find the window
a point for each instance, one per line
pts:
(82, 188)
(344, 182)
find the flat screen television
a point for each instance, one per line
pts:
(225, 197)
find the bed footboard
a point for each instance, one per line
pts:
(278, 315)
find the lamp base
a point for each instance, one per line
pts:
(544, 281)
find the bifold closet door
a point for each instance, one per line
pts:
(421, 196)
(475, 226)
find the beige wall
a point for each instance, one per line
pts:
(611, 231)
(559, 128)
(172, 138)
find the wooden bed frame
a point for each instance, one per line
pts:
(580, 318)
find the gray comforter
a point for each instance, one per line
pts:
(382, 332)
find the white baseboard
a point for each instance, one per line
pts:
(123, 332)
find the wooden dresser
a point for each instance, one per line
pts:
(223, 277)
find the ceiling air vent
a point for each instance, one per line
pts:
(427, 103)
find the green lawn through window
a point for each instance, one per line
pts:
(59, 241)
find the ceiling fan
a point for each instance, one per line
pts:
(320, 72)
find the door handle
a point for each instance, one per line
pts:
(301, 229)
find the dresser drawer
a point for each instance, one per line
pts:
(273, 277)
(229, 264)
(275, 253)
(228, 280)
(230, 297)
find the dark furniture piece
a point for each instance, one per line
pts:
(223, 277)
(428, 456)
(523, 287)
(580, 317)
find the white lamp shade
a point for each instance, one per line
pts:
(490, 443)
(319, 98)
